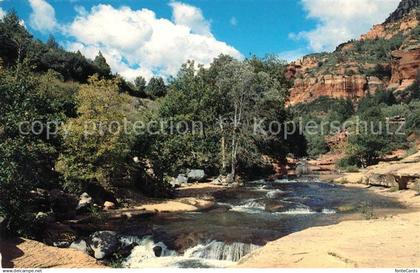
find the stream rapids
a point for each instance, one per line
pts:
(246, 219)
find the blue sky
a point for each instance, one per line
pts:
(150, 37)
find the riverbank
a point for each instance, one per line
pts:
(24, 253)
(391, 241)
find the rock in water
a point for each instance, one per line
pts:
(196, 175)
(158, 251)
(84, 201)
(103, 243)
(80, 245)
(275, 194)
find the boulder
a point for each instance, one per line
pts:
(158, 250)
(85, 201)
(179, 181)
(274, 207)
(389, 180)
(81, 245)
(103, 243)
(196, 175)
(58, 235)
(108, 205)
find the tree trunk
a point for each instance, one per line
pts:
(223, 154)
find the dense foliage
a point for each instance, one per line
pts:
(95, 128)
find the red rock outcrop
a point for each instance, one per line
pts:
(336, 86)
(405, 68)
(344, 73)
(389, 30)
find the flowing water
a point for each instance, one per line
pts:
(247, 218)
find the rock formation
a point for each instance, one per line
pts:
(357, 68)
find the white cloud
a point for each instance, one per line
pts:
(292, 55)
(2, 13)
(191, 17)
(135, 42)
(342, 20)
(233, 21)
(42, 17)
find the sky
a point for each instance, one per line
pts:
(154, 37)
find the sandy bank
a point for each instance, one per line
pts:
(24, 253)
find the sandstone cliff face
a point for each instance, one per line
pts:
(349, 75)
(405, 68)
(389, 30)
(336, 86)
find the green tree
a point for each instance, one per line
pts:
(104, 70)
(156, 88)
(96, 148)
(140, 87)
(27, 151)
(225, 99)
(15, 40)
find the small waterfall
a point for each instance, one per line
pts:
(305, 210)
(274, 194)
(328, 211)
(220, 251)
(212, 254)
(296, 211)
(146, 249)
(251, 206)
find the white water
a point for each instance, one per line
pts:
(220, 251)
(305, 210)
(251, 206)
(274, 194)
(212, 254)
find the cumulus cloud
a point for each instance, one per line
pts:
(342, 20)
(292, 55)
(136, 42)
(42, 17)
(191, 17)
(2, 13)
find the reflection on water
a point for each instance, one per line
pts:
(247, 218)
